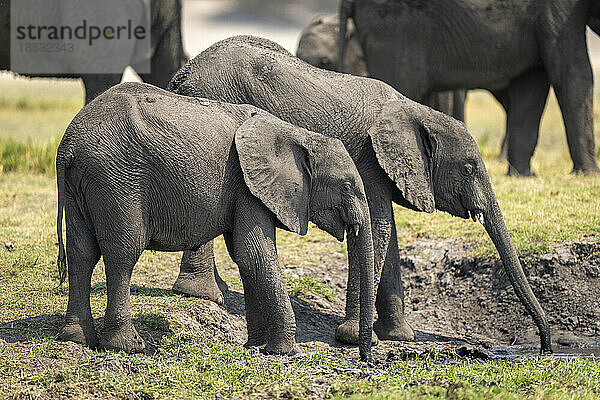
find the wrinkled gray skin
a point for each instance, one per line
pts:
(404, 151)
(514, 48)
(141, 168)
(166, 47)
(318, 46)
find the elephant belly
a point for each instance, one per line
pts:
(185, 217)
(486, 47)
(173, 231)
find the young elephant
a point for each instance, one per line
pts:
(318, 46)
(405, 152)
(141, 168)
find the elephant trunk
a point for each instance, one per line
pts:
(345, 12)
(496, 229)
(360, 253)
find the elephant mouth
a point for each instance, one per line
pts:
(476, 215)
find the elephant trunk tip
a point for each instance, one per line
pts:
(366, 354)
(545, 339)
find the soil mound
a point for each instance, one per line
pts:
(449, 292)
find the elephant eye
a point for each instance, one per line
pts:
(469, 169)
(347, 187)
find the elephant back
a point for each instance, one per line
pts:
(246, 69)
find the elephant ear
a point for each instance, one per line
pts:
(276, 169)
(404, 149)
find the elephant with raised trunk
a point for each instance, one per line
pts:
(514, 48)
(141, 168)
(404, 151)
(318, 46)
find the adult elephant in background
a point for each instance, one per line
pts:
(514, 48)
(167, 54)
(318, 45)
(404, 151)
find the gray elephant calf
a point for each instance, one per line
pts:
(141, 168)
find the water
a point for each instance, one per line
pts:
(587, 350)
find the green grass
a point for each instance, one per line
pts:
(35, 111)
(307, 287)
(190, 370)
(28, 157)
(185, 363)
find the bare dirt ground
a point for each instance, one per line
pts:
(459, 305)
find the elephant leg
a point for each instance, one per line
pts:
(459, 97)
(568, 67)
(198, 276)
(441, 101)
(391, 323)
(96, 84)
(119, 332)
(503, 98)
(83, 254)
(256, 324)
(167, 58)
(256, 255)
(528, 94)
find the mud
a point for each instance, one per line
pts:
(449, 292)
(461, 307)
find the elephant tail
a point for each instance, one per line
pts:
(346, 12)
(63, 159)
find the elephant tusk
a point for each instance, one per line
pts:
(354, 228)
(480, 218)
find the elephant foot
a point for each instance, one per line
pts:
(394, 329)
(198, 285)
(124, 338)
(84, 334)
(256, 341)
(594, 170)
(287, 347)
(512, 171)
(348, 331)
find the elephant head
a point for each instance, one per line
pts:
(318, 43)
(435, 164)
(318, 46)
(301, 176)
